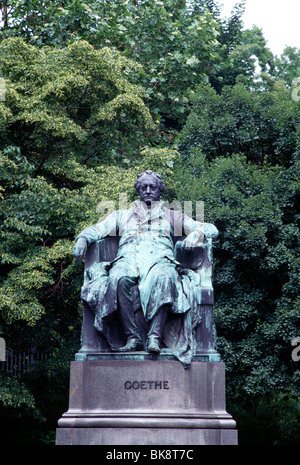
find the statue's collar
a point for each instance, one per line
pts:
(141, 209)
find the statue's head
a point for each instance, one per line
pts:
(149, 186)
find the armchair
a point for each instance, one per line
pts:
(199, 259)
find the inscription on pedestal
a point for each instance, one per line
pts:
(146, 385)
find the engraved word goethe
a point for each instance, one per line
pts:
(146, 385)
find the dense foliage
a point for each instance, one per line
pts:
(98, 91)
(240, 155)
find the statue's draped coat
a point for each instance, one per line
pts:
(146, 253)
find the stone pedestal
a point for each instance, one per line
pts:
(146, 402)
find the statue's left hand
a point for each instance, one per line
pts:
(193, 240)
(80, 249)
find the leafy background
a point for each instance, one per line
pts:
(97, 92)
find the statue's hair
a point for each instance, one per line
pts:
(149, 173)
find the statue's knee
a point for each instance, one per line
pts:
(167, 274)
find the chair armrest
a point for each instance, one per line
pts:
(104, 250)
(192, 258)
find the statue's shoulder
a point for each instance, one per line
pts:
(126, 211)
(174, 215)
(123, 214)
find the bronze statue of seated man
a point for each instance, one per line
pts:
(146, 260)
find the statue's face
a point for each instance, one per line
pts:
(149, 190)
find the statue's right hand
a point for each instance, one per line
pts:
(80, 249)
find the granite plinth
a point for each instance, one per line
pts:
(165, 354)
(146, 436)
(146, 402)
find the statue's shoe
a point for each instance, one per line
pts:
(132, 345)
(153, 346)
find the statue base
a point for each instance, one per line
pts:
(146, 402)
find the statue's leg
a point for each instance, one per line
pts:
(156, 329)
(127, 315)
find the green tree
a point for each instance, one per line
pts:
(72, 135)
(75, 131)
(255, 279)
(240, 51)
(76, 98)
(253, 40)
(287, 65)
(44, 22)
(61, 121)
(253, 201)
(175, 46)
(263, 125)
